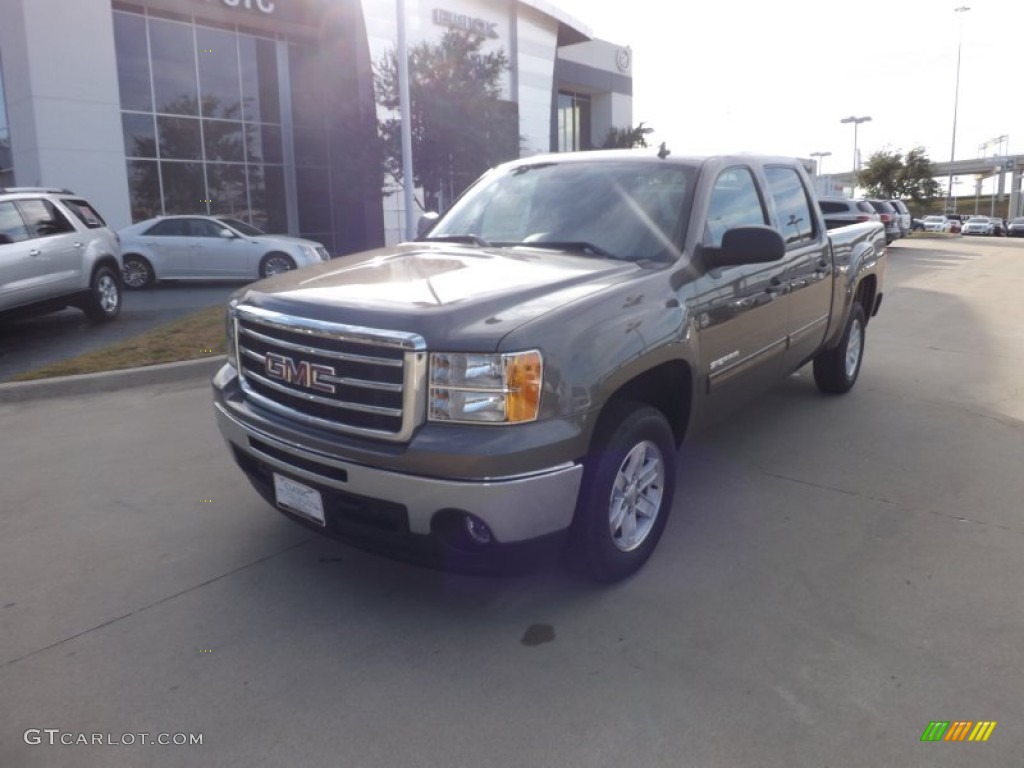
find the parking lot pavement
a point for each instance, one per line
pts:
(32, 342)
(838, 573)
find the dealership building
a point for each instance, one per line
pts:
(260, 109)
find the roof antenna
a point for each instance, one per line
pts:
(663, 151)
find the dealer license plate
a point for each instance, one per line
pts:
(299, 498)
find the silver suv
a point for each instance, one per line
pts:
(56, 251)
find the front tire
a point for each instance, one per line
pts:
(276, 263)
(104, 301)
(628, 486)
(836, 370)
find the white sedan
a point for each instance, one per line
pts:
(936, 224)
(978, 225)
(209, 248)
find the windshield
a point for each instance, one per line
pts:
(623, 209)
(241, 226)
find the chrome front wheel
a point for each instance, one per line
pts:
(636, 496)
(628, 484)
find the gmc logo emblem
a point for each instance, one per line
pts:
(302, 373)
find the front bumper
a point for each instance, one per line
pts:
(372, 504)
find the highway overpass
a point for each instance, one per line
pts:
(980, 168)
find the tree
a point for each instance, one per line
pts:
(626, 138)
(460, 125)
(890, 175)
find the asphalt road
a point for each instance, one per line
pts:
(32, 342)
(838, 572)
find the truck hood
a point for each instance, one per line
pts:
(458, 297)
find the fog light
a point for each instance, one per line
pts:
(478, 530)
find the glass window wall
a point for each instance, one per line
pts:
(201, 118)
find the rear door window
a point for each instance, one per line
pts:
(792, 205)
(43, 218)
(169, 228)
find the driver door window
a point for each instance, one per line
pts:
(734, 202)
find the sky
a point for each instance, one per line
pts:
(718, 76)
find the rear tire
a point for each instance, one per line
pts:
(836, 370)
(137, 272)
(627, 491)
(104, 301)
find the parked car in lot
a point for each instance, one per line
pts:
(840, 211)
(209, 248)
(1015, 227)
(916, 225)
(978, 225)
(936, 224)
(955, 222)
(522, 375)
(904, 218)
(890, 219)
(998, 226)
(56, 251)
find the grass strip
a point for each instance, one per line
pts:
(194, 336)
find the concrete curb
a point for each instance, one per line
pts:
(108, 381)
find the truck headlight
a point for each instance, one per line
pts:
(485, 388)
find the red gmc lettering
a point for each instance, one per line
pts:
(302, 373)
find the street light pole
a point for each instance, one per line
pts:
(405, 113)
(956, 100)
(856, 121)
(820, 165)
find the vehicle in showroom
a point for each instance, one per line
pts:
(209, 248)
(1015, 227)
(56, 251)
(978, 225)
(522, 376)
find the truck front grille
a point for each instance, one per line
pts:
(344, 378)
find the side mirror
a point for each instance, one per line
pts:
(426, 222)
(746, 245)
(228, 234)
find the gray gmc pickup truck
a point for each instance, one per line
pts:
(521, 376)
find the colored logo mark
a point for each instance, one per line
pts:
(959, 730)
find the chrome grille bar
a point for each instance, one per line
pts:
(289, 365)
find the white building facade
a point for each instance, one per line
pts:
(262, 109)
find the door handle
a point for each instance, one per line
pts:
(34, 252)
(78, 245)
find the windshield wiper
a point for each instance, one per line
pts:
(472, 239)
(569, 245)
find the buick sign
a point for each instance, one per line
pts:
(301, 373)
